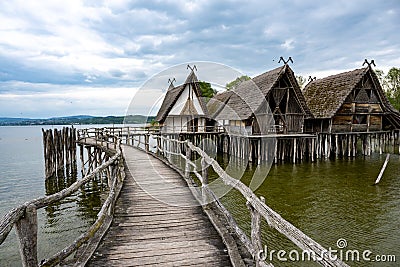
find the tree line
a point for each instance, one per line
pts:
(391, 85)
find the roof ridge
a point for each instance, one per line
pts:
(191, 78)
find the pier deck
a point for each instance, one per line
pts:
(158, 221)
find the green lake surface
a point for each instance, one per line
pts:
(328, 200)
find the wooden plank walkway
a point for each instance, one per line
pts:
(157, 221)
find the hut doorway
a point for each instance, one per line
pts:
(280, 123)
(193, 125)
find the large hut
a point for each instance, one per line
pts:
(269, 103)
(349, 102)
(183, 109)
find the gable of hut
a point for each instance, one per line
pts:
(350, 102)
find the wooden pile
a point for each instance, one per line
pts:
(59, 150)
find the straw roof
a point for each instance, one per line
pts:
(325, 96)
(249, 96)
(173, 95)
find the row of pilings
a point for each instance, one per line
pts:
(297, 148)
(59, 147)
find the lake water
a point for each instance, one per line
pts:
(331, 200)
(327, 200)
(22, 179)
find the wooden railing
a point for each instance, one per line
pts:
(186, 150)
(24, 217)
(257, 207)
(192, 129)
(121, 131)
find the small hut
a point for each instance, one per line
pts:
(183, 109)
(269, 103)
(349, 102)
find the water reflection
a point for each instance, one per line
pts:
(87, 200)
(90, 198)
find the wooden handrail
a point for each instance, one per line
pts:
(258, 209)
(111, 138)
(28, 239)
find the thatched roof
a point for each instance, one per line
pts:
(325, 96)
(169, 100)
(173, 95)
(249, 96)
(217, 102)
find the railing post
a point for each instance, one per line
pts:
(204, 171)
(128, 136)
(204, 182)
(159, 144)
(26, 229)
(255, 230)
(188, 158)
(146, 142)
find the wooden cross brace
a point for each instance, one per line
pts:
(285, 61)
(372, 62)
(171, 81)
(191, 68)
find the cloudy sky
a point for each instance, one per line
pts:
(90, 57)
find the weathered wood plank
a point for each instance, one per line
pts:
(158, 221)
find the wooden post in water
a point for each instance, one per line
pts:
(398, 140)
(378, 179)
(294, 149)
(82, 159)
(26, 229)
(59, 147)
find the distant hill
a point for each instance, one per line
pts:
(76, 120)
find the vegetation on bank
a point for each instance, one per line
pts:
(77, 120)
(391, 85)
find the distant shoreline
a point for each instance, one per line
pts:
(77, 120)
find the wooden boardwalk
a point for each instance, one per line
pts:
(157, 221)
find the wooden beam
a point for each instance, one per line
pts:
(378, 179)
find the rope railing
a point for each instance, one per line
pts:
(24, 217)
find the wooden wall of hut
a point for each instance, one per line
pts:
(59, 149)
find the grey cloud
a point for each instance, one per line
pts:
(250, 36)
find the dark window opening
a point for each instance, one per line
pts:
(360, 119)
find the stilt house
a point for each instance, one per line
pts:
(183, 109)
(246, 107)
(349, 102)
